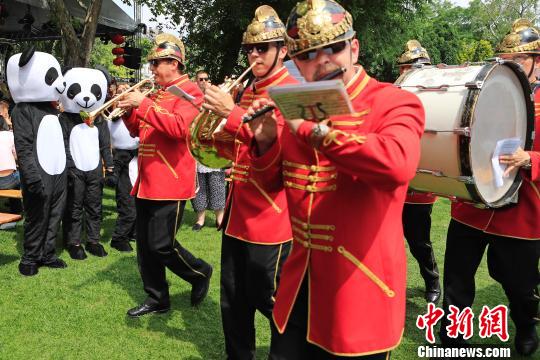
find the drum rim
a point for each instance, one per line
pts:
(467, 120)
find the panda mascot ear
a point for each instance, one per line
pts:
(106, 73)
(65, 69)
(26, 56)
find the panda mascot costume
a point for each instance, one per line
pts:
(90, 150)
(35, 81)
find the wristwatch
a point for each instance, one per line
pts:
(320, 131)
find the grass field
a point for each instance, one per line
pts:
(79, 312)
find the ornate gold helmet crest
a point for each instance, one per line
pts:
(266, 26)
(316, 23)
(524, 38)
(414, 53)
(168, 46)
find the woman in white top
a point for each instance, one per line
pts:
(9, 176)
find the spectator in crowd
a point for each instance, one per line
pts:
(211, 182)
(9, 176)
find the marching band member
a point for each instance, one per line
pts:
(418, 206)
(511, 233)
(166, 177)
(257, 235)
(342, 290)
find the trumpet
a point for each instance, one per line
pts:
(103, 110)
(203, 127)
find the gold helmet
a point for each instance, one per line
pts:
(266, 26)
(314, 24)
(168, 46)
(414, 54)
(524, 38)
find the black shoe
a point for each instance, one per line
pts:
(144, 309)
(433, 293)
(96, 249)
(526, 340)
(122, 246)
(28, 269)
(200, 289)
(197, 227)
(76, 252)
(55, 264)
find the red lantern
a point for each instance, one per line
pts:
(117, 39)
(118, 51)
(119, 61)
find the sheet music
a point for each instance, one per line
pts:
(176, 91)
(312, 101)
(503, 147)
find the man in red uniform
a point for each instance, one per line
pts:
(511, 233)
(418, 206)
(166, 178)
(257, 234)
(342, 290)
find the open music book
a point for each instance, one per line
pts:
(312, 100)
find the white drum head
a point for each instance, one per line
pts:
(500, 113)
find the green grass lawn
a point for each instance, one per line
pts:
(79, 312)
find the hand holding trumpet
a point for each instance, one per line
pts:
(131, 100)
(218, 101)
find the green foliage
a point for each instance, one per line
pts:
(213, 29)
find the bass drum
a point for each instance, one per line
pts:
(469, 109)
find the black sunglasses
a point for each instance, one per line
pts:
(202, 79)
(261, 48)
(156, 62)
(328, 49)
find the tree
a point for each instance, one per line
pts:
(75, 51)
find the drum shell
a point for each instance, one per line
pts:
(468, 109)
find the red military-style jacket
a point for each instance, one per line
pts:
(166, 168)
(521, 221)
(345, 202)
(256, 214)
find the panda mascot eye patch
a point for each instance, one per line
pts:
(36, 77)
(84, 90)
(51, 76)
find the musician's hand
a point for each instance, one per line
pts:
(131, 100)
(218, 101)
(264, 127)
(518, 159)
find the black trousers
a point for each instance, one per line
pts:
(512, 262)
(84, 197)
(158, 249)
(249, 278)
(417, 227)
(43, 213)
(124, 229)
(293, 344)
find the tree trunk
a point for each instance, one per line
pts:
(75, 51)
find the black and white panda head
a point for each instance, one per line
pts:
(86, 90)
(34, 76)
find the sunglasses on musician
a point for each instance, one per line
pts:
(203, 79)
(156, 62)
(261, 48)
(331, 49)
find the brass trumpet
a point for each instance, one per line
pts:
(203, 127)
(90, 117)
